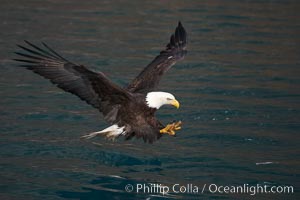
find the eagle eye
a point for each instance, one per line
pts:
(169, 99)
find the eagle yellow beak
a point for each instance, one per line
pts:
(175, 103)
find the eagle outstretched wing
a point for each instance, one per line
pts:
(94, 88)
(149, 78)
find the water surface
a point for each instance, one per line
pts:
(238, 87)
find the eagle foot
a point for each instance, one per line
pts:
(171, 128)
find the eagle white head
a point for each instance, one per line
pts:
(158, 99)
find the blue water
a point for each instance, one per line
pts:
(238, 88)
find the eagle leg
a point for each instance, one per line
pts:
(171, 128)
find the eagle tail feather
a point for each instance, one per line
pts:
(110, 133)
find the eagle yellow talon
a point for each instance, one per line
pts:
(171, 128)
(177, 128)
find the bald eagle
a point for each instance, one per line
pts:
(129, 110)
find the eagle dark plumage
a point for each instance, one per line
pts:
(129, 110)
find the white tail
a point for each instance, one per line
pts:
(110, 133)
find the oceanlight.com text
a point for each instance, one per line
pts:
(155, 188)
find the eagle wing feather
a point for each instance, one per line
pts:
(175, 51)
(94, 88)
